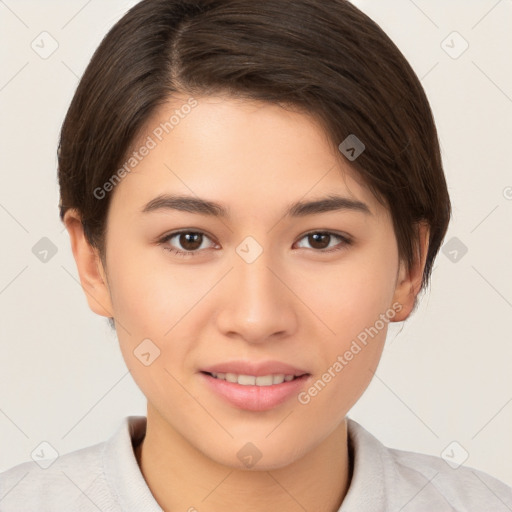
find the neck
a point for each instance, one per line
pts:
(188, 480)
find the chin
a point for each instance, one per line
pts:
(256, 456)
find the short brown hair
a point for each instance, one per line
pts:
(323, 57)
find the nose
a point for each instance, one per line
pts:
(257, 305)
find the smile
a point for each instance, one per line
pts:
(255, 392)
(253, 380)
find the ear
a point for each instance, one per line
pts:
(90, 268)
(408, 283)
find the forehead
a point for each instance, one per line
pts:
(247, 154)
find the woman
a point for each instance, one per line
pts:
(253, 192)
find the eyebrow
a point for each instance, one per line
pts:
(298, 209)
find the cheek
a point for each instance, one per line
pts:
(151, 303)
(148, 294)
(349, 297)
(162, 302)
(355, 302)
(348, 361)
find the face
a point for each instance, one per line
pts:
(289, 304)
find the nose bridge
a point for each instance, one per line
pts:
(258, 305)
(257, 281)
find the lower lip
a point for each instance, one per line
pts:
(255, 398)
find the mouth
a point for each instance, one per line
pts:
(258, 388)
(254, 380)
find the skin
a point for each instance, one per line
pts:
(294, 303)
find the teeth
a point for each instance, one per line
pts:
(247, 380)
(252, 380)
(278, 379)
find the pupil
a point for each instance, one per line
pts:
(316, 236)
(187, 242)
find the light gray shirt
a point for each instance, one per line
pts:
(106, 477)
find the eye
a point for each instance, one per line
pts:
(321, 240)
(190, 241)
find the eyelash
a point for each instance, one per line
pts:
(345, 241)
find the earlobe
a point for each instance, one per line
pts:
(409, 281)
(90, 268)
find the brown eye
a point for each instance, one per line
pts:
(321, 241)
(190, 241)
(185, 243)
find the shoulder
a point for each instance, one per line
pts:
(83, 480)
(417, 482)
(104, 476)
(51, 485)
(463, 488)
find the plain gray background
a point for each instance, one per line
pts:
(444, 385)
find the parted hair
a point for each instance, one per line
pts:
(325, 58)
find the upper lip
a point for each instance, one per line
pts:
(255, 368)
